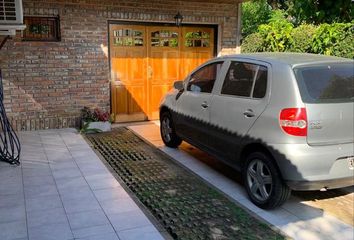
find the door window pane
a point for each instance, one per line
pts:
(197, 39)
(123, 37)
(239, 79)
(203, 80)
(164, 38)
(260, 87)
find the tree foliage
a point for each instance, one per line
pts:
(257, 12)
(321, 11)
(254, 13)
(314, 26)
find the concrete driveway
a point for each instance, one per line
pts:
(63, 191)
(306, 215)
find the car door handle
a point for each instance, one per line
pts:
(249, 113)
(205, 105)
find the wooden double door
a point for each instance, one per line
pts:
(146, 60)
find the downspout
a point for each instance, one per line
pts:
(238, 28)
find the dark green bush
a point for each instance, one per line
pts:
(252, 43)
(302, 38)
(345, 48)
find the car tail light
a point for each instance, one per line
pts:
(294, 121)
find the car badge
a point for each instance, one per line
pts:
(315, 124)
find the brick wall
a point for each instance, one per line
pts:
(47, 83)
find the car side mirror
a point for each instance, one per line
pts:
(178, 85)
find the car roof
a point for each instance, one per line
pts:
(292, 59)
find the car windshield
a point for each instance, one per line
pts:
(326, 83)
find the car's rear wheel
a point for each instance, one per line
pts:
(168, 131)
(263, 182)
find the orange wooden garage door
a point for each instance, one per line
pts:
(146, 60)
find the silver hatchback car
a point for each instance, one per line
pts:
(285, 121)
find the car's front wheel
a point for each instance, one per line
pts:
(263, 182)
(168, 131)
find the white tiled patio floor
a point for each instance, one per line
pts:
(295, 218)
(63, 191)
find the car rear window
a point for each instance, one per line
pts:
(329, 83)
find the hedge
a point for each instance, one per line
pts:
(330, 39)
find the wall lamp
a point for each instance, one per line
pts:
(178, 19)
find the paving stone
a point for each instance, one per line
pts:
(40, 190)
(94, 171)
(118, 206)
(36, 172)
(38, 180)
(104, 183)
(67, 164)
(41, 203)
(67, 173)
(148, 232)
(87, 219)
(81, 204)
(93, 167)
(51, 232)
(93, 231)
(11, 189)
(48, 216)
(82, 153)
(70, 184)
(110, 194)
(129, 220)
(108, 236)
(14, 179)
(79, 193)
(13, 200)
(13, 230)
(95, 177)
(12, 214)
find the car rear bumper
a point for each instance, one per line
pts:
(321, 185)
(305, 167)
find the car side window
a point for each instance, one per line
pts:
(203, 80)
(260, 86)
(240, 78)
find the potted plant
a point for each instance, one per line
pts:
(96, 120)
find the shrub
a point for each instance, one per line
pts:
(302, 38)
(279, 36)
(334, 39)
(277, 33)
(345, 48)
(252, 43)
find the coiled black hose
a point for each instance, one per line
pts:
(10, 147)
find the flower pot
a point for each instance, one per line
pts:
(103, 126)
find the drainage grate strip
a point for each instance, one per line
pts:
(186, 206)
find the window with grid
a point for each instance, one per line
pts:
(41, 29)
